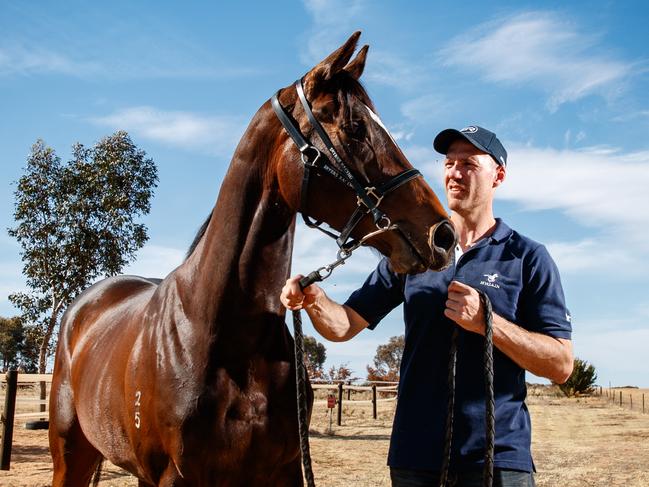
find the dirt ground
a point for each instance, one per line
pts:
(576, 442)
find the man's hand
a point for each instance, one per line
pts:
(464, 307)
(293, 298)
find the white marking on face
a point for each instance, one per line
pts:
(378, 120)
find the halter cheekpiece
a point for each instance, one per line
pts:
(368, 197)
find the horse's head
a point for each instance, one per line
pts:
(383, 183)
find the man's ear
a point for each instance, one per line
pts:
(330, 66)
(501, 173)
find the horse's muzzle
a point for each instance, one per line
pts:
(442, 241)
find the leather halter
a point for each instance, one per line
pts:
(368, 198)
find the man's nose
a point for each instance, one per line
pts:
(453, 172)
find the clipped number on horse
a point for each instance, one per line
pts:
(138, 395)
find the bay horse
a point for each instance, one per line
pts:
(189, 380)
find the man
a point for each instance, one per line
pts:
(531, 328)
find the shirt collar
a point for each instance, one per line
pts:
(501, 233)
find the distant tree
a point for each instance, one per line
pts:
(315, 355)
(12, 336)
(582, 379)
(387, 360)
(339, 373)
(76, 222)
(31, 350)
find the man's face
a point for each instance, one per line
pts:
(470, 177)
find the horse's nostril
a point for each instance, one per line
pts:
(443, 236)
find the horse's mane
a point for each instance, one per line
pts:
(199, 235)
(351, 86)
(348, 85)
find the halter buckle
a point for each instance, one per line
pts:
(305, 157)
(371, 191)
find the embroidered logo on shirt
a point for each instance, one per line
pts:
(491, 281)
(568, 317)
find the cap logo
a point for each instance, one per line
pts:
(470, 129)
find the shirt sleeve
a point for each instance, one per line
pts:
(381, 293)
(545, 309)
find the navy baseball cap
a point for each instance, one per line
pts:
(481, 138)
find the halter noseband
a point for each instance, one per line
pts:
(368, 198)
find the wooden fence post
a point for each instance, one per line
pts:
(643, 403)
(349, 391)
(631, 402)
(620, 398)
(340, 403)
(8, 419)
(374, 400)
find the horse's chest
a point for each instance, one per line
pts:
(243, 422)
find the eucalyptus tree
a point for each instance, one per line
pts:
(76, 222)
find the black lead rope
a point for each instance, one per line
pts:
(490, 417)
(300, 376)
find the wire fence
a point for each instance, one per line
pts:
(630, 398)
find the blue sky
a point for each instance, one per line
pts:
(564, 85)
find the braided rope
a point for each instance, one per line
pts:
(300, 376)
(450, 408)
(490, 416)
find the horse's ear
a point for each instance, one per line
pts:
(332, 64)
(357, 65)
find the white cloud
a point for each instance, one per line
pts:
(23, 61)
(212, 134)
(333, 22)
(597, 187)
(628, 116)
(426, 108)
(140, 62)
(155, 261)
(588, 255)
(386, 68)
(539, 48)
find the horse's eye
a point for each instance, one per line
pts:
(358, 130)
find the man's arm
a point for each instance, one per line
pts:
(335, 322)
(541, 354)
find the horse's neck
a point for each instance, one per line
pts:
(234, 276)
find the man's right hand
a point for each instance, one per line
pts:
(293, 298)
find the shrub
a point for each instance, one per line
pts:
(582, 379)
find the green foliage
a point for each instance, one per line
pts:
(582, 379)
(315, 355)
(12, 336)
(77, 222)
(19, 345)
(387, 360)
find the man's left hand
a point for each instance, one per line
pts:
(464, 307)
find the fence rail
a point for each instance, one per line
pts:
(374, 389)
(11, 380)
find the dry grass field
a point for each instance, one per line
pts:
(576, 442)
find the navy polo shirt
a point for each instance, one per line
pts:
(524, 287)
